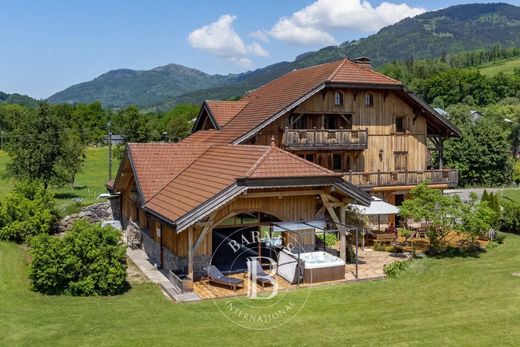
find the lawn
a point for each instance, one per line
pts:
(455, 301)
(89, 183)
(512, 194)
(505, 66)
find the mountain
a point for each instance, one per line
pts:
(19, 99)
(431, 34)
(145, 88)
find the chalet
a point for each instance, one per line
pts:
(286, 159)
(345, 117)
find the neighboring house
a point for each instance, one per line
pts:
(116, 139)
(295, 150)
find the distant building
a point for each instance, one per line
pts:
(116, 139)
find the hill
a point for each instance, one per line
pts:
(144, 88)
(18, 99)
(429, 35)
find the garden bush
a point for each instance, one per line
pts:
(396, 268)
(28, 210)
(510, 217)
(87, 260)
(330, 239)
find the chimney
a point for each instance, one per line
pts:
(363, 61)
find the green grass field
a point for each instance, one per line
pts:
(505, 66)
(452, 301)
(89, 183)
(512, 194)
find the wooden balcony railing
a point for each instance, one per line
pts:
(325, 139)
(403, 178)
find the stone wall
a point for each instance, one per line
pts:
(115, 206)
(171, 261)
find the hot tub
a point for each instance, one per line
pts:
(322, 267)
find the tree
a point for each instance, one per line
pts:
(440, 213)
(43, 148)
(482, 155)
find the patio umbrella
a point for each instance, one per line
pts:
(377, 207)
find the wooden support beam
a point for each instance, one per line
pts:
(278, 194)
(208, 226)
(190, 253)
(340, 224)
(343, 235)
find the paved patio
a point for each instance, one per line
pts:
(371, 264)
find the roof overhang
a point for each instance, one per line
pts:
(438, 121)
(277, 115)
(244, 184)
(205, 107)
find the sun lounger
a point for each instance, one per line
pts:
(261, 276)
(214, 275)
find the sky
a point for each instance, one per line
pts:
(47, 46)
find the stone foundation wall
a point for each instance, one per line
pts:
(115, 205)
(171, 261)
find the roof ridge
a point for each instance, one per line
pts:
(259, 161)
(305, 161)
(290, 72)
(375, 72)
(180, 172)
(336, 70)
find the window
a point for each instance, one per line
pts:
(337, 162)
(338, 98)
(331, 121)
(400, 124)
(369, 99)
(400, 161)
(309, 157)
(299, 123)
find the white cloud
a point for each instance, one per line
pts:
(260, 35)
(287, 30)
(220, 38)
(311, 24)
(258, 50)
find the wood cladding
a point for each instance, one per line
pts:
(379, 120)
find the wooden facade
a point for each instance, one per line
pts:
(375, 137)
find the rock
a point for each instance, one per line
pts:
(96, 213)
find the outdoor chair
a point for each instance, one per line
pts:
(214, 275)
(262, 277)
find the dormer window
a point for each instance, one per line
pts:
(369, 99)
(338, 99)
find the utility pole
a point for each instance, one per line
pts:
(109, 150)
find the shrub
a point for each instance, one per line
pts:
(396, 268)
(88, 260)
(499, 238)
(28, 210)
(510, 217)
(330, 239)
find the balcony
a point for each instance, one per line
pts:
(448, 177)
(325, 139)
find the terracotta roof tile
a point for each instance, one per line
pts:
(265, 102)
(224, 111)
(352, 73)
(279, 163)
(177, 178)
(156, 164)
